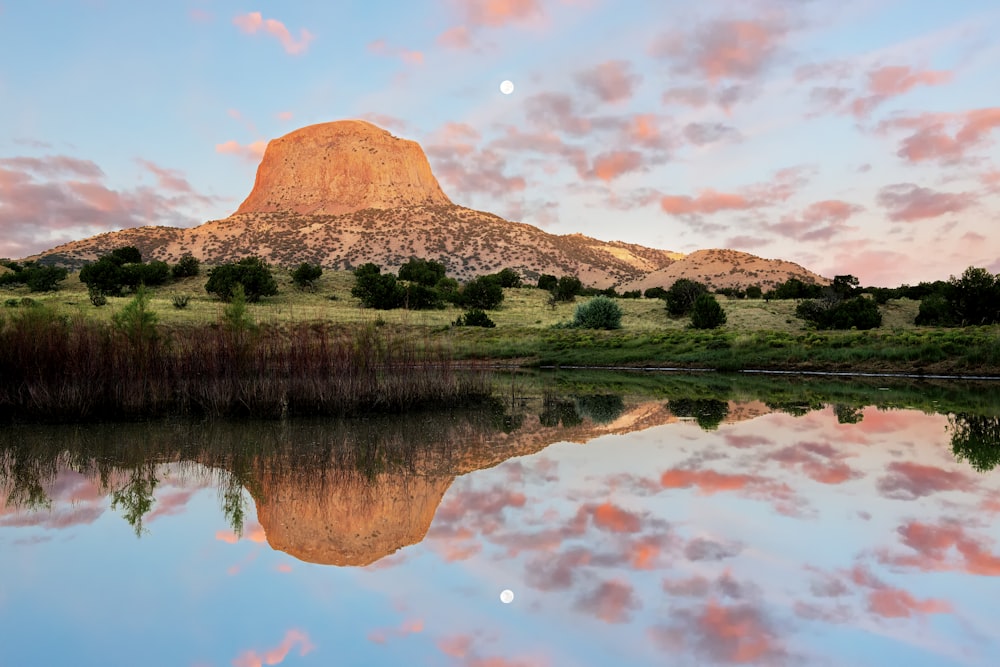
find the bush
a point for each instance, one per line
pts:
(935, 310)
(422, 271)
(632, 294)
(707, 313)
(754, 292)
(375, 289)
(136, 320)
(857, 312)
(547, 282)
(600, 312)
(484, 293)
(509, 278)
(567, 288)
(421, 297)
(181, 301)
(252, 273)
(306, 275)
(186, 267)
(104, 276)
(475, 318)
(682, 295)
(97, 297)
(126, 255)
(44, 278)
(655, 293)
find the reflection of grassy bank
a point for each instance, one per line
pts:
(974, 350)
(53, 368)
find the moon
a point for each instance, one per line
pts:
(507, 87)
(507, 596)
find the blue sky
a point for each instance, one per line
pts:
(851, 137)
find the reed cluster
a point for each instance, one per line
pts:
(55, 368)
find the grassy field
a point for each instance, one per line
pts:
(758, 334)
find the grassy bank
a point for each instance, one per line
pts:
(61, 369)
(757, 335)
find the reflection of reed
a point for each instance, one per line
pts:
(54, 369)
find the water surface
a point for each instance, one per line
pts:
(634, 529)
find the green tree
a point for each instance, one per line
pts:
(547, 282)
(845, 286)
(126, 255)
(306, 275)
(186, 267)
(655, 293)
(975, 297)
(103, 276)
(376, 289)
(598, 313)
(484, 293)
(136, 320)
(567, 288)
(937, 311)
(707, 412)
(251, 272)
(475, 318)
(682, 295)
(707, 313)
(754, 292)
(509, 278)
(40, 278)
(422, 271)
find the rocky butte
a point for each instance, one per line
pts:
(348, 192)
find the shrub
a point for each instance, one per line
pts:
(547, 282)
(857, 312)
(509, 278)
(180, 301)
(44, 278)
(422, 271)
(306, 275)
(600, 312)
(475, 318)
(186, 267)
(97, 297)
(754, 292)
(136, 320)
(682, 295)
(935, 310)
(707, 313)
(376, 289)
(484, 293)
(104, 276)
(655, 293)
(567, 288)
(252, 273)
(126, 255)
(631, 294)
(421, 297)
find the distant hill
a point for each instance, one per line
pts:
(344, 193)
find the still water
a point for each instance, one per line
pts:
(641, 525)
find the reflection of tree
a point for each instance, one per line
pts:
(601, 408)
(24, 477)
(796, 409)
(848, 414)
(556, 410)
(136, 497)
(708, 412)
(975, 439)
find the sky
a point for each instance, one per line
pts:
(857, 136)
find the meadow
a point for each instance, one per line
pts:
(757, 335)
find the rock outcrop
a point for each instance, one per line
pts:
(341, 167)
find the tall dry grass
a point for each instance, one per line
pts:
(54, 368)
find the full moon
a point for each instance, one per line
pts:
(507, 87)
(507, 596)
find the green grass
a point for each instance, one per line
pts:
(757, 334)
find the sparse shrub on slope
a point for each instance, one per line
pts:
(600, 312)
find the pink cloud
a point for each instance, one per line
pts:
(897, 603)
(945, 138)
(609, 166)
(708, 201)
(906, 202)
(900, 79)
(614, 519)
(723, 49)
(277, 654)
(457, 37)
(284, 115)
(254, 22)
(167, 179)
(252, 152)
(382, 48)
(612, 81)
(735, 634)
(945, 546)
(498, 13)
(611, 601)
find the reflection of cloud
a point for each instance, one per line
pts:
(733, 634)
(277, 654)
(933, 545)
(612, 518)
(908, 481)
(702, 548)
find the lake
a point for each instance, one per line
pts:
(637, 519)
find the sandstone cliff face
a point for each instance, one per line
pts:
(340, 167)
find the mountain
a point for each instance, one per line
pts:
(348, 192)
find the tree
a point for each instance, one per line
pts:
(857, 312)
(936, 311)
(600, 312)
(975, 439)
(126, 255)
(422, 271)
(707, 412)
(103, 276)
(44, 278)
(306, 275)
(567, 288)
(975, 297)
(682, 295)
(754, 292)
(509, 278)
(186, 267)
(707, 313)
(375, 289)
(793, 288)
(547, 282)
(251, 272)
(655, 293)
(844, 286)
(475, 318)
(483, 292)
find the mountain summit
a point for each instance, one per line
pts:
(341, 167)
